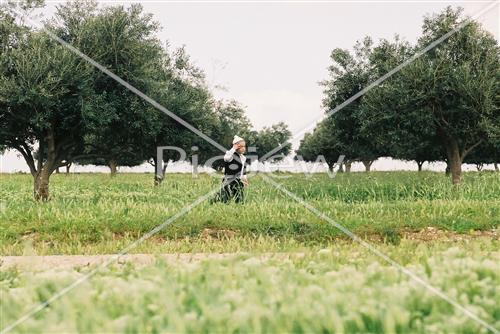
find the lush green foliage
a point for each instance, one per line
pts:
(93, 213)
(453, 88)
(349, 74)
(440, 106)
(321, 142)
(56, 109)
(343, 289)
(271, 143)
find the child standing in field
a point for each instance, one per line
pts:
(235, 178)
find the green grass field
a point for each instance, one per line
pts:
(98, 214)
(312, 279)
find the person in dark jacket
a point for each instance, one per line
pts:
(235, 178)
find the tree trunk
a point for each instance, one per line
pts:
(159, 178)
(341, 168)
(68, 166)
(113, 166)
(447, 171)
(57, 170)
(496, 166)
(454, 161)
(44, 170)
(41, 185)
(348, 165)
(368, 164)
(420, 164)
(479, 167)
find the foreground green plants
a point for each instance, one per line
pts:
(342, 289)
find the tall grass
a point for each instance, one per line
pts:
(95, 211)
(337, 290)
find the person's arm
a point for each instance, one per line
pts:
(229, 154)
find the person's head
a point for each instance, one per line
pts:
(241, 147)
(239, 144)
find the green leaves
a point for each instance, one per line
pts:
(439, 107)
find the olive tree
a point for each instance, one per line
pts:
(42, 89)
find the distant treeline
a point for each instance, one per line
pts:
(442, 106)
(57, 109)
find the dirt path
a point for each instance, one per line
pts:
(47, 262)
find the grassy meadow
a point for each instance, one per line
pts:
(283, 269)
(95, 214)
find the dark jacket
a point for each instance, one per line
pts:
(233, 167)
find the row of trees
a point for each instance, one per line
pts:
(56, 109)
(443, 106)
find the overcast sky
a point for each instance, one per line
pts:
(271, 56)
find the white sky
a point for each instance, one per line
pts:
(271, 56)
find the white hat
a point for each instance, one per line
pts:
(237, 139)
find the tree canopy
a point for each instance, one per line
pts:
(349, 73)
(42, 89)
(56, 108)
(441, 106)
